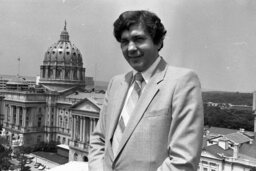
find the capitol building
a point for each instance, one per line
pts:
(57, 109)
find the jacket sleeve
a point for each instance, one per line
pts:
(97, 138)
(186, 130)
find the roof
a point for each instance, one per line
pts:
(248, 149)
(94, 97)
(63, 146)
(237, 137)
(217, 151)
(249, 134)
(87, 99)
(215, 131)
(221, 131)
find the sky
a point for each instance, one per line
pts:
(215, 38)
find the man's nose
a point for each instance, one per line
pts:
(132, 47)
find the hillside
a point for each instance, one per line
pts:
(233, 119)
(235, 98)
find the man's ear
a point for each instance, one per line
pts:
(160, 45)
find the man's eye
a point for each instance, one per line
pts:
(139, 39)
(124, 42)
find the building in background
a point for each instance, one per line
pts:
(228, 150)
(58, 109)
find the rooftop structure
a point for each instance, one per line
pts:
(228, 150)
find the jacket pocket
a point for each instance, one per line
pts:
(157, 113)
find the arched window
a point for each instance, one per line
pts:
(75, 156)
(85, 159)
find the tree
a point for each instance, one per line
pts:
(19, 152)
(5, 156)
(225, 118)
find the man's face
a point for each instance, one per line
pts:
(138, 48)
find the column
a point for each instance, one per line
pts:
(24, 116)
(62, 73)
(71, 74)
(17, 115)
(46, 72)
(54, 73)
(75, 127)
(11, 114)
(84, 131)
(94, 123)
(78, 74)
(72, 128)
(81, 128)
(91, 125)
(57, 118)
(20, 116)
(6, 113)
(41, 71)
(87, 129)
(32, 118)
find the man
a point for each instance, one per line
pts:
(152, 117)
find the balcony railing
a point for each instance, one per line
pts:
(79, 145)
(22, 129)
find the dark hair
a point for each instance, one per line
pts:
(150, 21)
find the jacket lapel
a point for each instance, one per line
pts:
(121, 90)
(149, 92)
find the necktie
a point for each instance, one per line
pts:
(129, 107)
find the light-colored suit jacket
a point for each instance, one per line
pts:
(165, 131)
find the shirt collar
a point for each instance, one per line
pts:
(148, 73)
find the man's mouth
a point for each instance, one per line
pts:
(135, 57)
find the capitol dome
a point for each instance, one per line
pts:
(63, 52)
(62, 65)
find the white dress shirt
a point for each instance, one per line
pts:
(146, 76)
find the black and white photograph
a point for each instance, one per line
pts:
(128, 85)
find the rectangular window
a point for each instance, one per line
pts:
(204, 162)
(213, 164)
(27, 120)
(39, 122)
